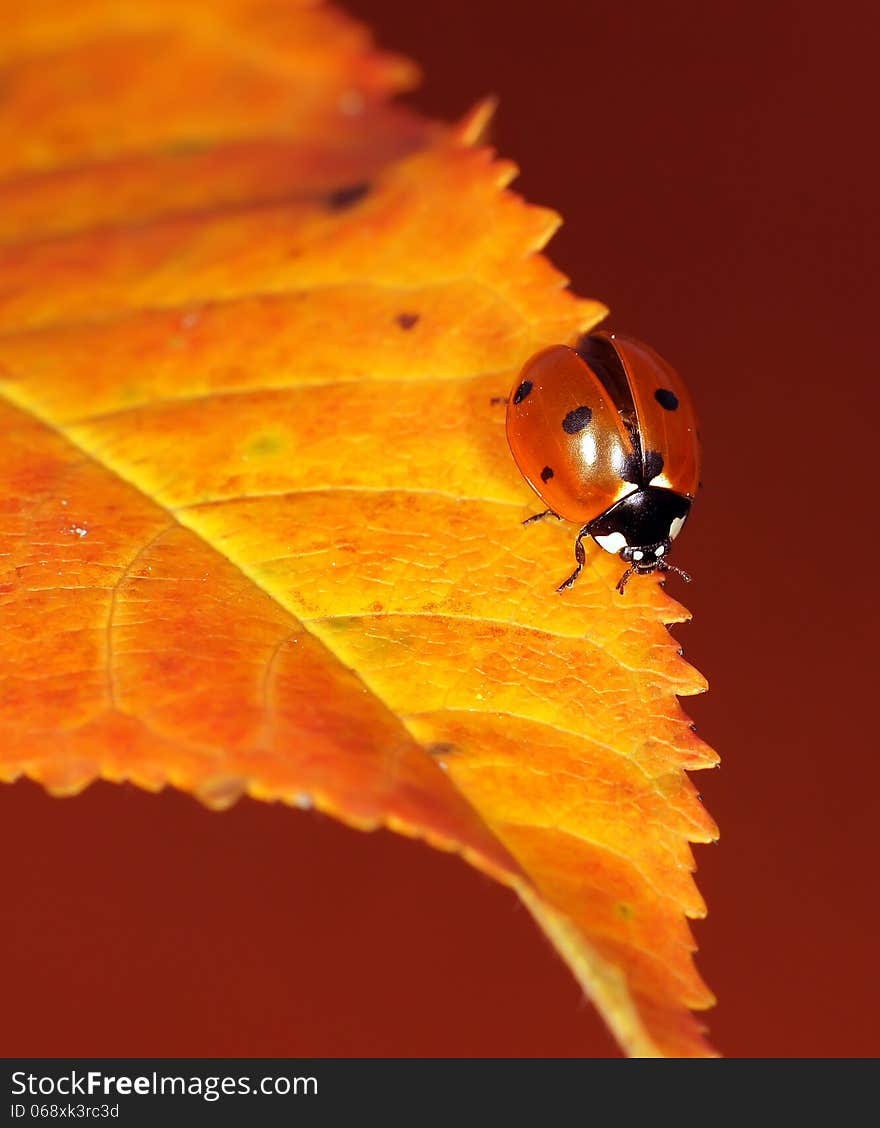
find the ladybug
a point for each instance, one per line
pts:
(606, 435)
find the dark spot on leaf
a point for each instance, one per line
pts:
(667, 400)
(441, 749)
(407, 320)
(347, 197)
(522, 391)
(576, 420)
(546, 474)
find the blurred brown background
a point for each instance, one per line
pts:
(716, 168)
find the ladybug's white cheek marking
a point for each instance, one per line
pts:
(662, 481)
(675, 527)
(613, 542)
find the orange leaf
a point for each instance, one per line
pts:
(261, 530)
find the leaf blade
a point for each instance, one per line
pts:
(257, 446)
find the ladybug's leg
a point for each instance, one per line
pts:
(624, 579)
(541, 516)
(579, 555)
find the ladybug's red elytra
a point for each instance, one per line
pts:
(606, 435)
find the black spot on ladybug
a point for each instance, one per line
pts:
(407, 320)
(641, 471)
(576, 420)
(347, 197)
(522, 391)
(632, 470)
(667, 400)
(546, 474)
(653, 464)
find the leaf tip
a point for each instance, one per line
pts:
(475, 126)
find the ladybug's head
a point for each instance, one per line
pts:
(645, 559)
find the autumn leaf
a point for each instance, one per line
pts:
(260, 527)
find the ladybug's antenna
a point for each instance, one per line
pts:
(667, 567)
(662, 566)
